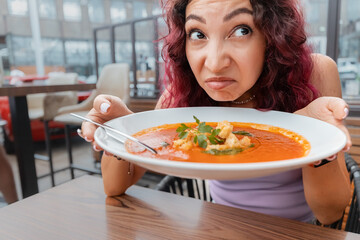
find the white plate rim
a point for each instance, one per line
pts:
(290, 163)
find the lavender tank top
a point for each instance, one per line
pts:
(278, 195)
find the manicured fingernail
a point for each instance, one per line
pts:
(87, 139)
(96, 149)
(317, 163)
(346, 110)
(333, 157)
(346, 149)
(107, 153)
(79, 132)
(104, 107)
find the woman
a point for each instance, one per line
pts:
(7, 182)
(246, 53)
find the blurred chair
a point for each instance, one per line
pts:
(353, 216)
(194, 188)
(7, 182)
(44, 107)
(113, 80)
(350, 221)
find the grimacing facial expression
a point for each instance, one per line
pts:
(225, 50)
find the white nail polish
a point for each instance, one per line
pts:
(346, 110)
(79, 132)
(88, 140)
(317, 163)
(104, 107)
(96, 149)
(331, 158)
(346, 149)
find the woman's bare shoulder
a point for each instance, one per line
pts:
(160, 103)
(325, 75)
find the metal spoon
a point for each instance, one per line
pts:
(104, 126)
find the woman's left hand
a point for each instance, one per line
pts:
(332, 110)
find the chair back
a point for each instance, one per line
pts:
(353, 218)
(350, 220)
(64, 78)
(114, 80)
(42, 105)
(195, 188)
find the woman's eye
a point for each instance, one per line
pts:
(241, 31)
(195, 35)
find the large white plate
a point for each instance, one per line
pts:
(325, 140)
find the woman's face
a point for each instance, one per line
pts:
(224, 48)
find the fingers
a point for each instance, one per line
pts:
(105, 108)
(332, 158)
(340, 110)
(110, 107)
(332, 110)
(339, 107)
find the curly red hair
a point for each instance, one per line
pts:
(284, 83)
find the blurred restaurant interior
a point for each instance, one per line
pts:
(81, 36)
(80, 43)
(40, 38)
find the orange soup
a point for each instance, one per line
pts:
(263, 143)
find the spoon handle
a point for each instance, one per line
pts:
(116, 131)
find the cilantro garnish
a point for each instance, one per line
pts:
(242, 133)
(204, 133)
(200, 136)
(231, 151)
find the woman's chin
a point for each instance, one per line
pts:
(222, 97)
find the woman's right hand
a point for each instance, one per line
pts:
(105, 108)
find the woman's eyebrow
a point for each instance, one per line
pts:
(195, 17)
(237, 12)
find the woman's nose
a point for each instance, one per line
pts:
(217, 57)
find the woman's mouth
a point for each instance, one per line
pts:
(219, 83)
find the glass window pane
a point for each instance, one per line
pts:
(156, 9)
(103, 48)
(316, 18)
(53, 52)
(18, 7)
(72, 10)
(4, 55)
(22, 51)
(349, 48)
(47, 9)
(77, 52)
(96, 11)
(123, 47)
(104, 53)
(140, 9)
(118, 11)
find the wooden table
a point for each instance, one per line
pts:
(79, 209)
(21, 127)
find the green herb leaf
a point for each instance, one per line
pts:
(183, 135)
(219, 140)
(197, 120)
(242, 133)
(231, 151)
(164, 144)
(215, 132)
(195, 139)
(182, 128)
(212, 139)
(202, 141)
(204, 128)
